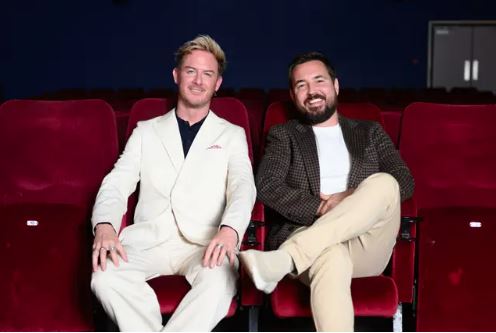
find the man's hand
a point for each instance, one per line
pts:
(224, 243)
(106, 243)
(328, 202)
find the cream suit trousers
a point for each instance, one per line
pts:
(354, 239)
(132, 304)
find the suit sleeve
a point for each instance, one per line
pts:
(390, 162)
(240, 189)
(295, 204)
(111, 200)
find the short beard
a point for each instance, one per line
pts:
(317, 118)
(197, 104)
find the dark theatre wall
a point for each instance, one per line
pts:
(51, 45)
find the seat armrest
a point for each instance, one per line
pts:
(255, 233)
(409, 219)
(403, 259)
(258, 212)
(254, 239)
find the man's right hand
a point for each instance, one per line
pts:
(106, 244)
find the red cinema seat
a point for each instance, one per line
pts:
(171, 289)
(378, 296)
(252, 93)
(278, 95)
(54, 157)
(392, 124)
(451, 151)
(255, 108)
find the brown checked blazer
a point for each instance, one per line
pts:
(288, 179)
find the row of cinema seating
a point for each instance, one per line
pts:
(391, 102)
(55, 153)
(387, 98)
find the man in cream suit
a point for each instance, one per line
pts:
(196, 196)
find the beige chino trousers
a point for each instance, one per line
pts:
(132, 304)
(354, 239)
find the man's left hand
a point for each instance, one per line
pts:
(224, 243)
(331, 201)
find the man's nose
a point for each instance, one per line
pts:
(198, 79)
(311, 90)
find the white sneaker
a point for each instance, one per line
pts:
(262, 270)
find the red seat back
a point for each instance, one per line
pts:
(278, 95)
(54, 148)
(392, 124)
(450, 150)
(256, 109)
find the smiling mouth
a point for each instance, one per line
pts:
(196, 90)
(315, 99)
(315, 103)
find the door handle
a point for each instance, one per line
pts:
(466, 71)
(475, 70)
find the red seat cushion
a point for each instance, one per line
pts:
(372, 296)
(45, 279)
(450, 150)
(170, 291)
(456, 269)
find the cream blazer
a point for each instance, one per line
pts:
(213, 186)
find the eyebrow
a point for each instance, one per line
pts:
(319, 77)
(316, 77)
(205, 71)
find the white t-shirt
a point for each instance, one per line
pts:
(334, 159)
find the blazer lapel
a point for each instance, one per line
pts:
(354, 143)
(168, 131)
(208, 132)
(308, 147)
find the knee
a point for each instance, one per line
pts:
(385, 179)
(387, 183)
(102, 282)
(218, 280)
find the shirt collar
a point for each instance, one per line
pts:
(185, 124)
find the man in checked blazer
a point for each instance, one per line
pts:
(196, 195)
(337, 185)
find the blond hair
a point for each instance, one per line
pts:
(203, 43)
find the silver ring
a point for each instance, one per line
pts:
(219, 245)
(112, 248)
(103, 248)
